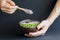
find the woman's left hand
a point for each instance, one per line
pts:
(8, 6)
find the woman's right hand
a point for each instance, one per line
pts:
(42, 29)
(8, 6)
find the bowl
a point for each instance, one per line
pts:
(28, 25)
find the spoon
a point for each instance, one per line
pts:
(27, 11)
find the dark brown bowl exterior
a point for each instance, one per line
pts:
(27, 30)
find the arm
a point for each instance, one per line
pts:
(55, 12)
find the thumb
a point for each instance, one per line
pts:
(11, 7)
(40, 26)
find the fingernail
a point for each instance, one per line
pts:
(25, 34)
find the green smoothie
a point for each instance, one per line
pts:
(29, 25)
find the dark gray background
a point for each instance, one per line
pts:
(9, 24)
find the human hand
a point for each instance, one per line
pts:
(44, 25)
(8, 6)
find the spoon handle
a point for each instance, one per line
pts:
(27, 11)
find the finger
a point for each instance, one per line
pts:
(8, 0)
(13, 7)
(43, 31)
(12, 11)
(28, 35)
(11, 3)
(40, 26)
(8, 10)
(35, 34)
(10, 7)
(4, 9)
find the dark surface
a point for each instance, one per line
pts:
(9, 24)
